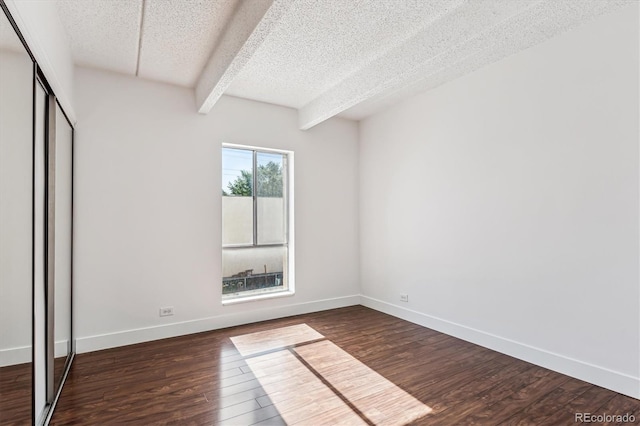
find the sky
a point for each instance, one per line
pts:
(235, 160)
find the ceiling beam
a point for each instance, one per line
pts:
(429, 58)
(250, 25)
(425, 52)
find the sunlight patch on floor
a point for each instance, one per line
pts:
(262, 341)
(316, 383)
(378, 399)
(299, 396)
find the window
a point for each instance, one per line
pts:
(256, 223)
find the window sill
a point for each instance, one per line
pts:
(257, 297)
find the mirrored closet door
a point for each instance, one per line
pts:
(16, 227)
(39, 254)
(36, 234)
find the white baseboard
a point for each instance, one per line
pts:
(616, 381)
(130, 337)
(61, 348)
(23, 354)
(13, 356)
(613, 380)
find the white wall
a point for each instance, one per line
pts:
(505, 204)
(148, 209)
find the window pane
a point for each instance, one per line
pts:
(237, 201)
(237, 220)
(237, 166)
(255, 270)
(271, 216)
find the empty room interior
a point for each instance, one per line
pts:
(319, 212)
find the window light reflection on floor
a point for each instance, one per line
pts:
(263, 341)
(318, 383)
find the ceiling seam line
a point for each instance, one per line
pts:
(142, 7)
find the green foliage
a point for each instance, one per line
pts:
(242, 186)
(269, 182)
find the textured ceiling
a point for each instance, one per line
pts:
(320, 43)
(534, 24)
(162, 40)
(323, 57)
(250, 25)
(179, 36)
(103, 34)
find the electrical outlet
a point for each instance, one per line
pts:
(404, 297)
(166, 311)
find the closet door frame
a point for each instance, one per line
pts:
(54, 387)
(52, 391)
(41, 404)
(49, 235)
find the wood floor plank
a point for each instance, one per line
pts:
(375, 397)
(237, 398)
(460, 396)
(385, 367)
(342, 416)
(588, 402)
(549, 404)
(273, 421)
(261, 341)
(537, 412)
(15, 394)
(295, 401)
(253, 417)
(621, 405)
(237, 409)
(514, 403)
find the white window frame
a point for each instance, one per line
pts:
(288, 188)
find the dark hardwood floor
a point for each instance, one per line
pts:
(369, 368)
(15, 394)
(16, 391)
